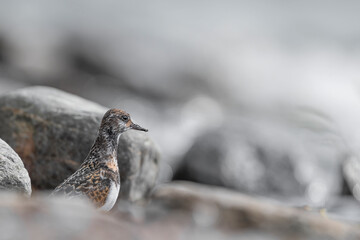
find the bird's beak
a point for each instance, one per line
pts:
(137, 127)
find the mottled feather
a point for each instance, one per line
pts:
(98, 176)
(91, 182)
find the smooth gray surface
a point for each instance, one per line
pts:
(13, 175)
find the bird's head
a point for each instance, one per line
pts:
(116, 121)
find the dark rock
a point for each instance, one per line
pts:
(52, 131)
(228, 212)
(298, 157)
(13, 175)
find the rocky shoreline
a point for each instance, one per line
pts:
(178, 210)
(51, 132)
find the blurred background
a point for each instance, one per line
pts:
(257, 96)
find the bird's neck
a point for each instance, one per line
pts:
(105, 146)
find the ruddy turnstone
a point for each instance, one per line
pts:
(98, 176)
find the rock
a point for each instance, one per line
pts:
(53, 131)
(344, 208)
(294, 157)
(54, 218)
(229, 212)
(351, 170)
(13, 175)
(176, 211)
(139, 165)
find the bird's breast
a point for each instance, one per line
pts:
(112, 165)
(111, 197)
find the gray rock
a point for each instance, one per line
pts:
(211, 208)
(351, 169)
(13, 175)
(139, 165)
(176, 211)
(52, 131)
(54, 218)
(295, 157)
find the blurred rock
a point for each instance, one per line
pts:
(139, 161)
(344, 208)
(289, 157)
(141, 60)
(144, 61)
(351, 170)
(54, 218)
(7, 85)
(177, 211)
(13, 175)
(53, 131)
(230, 213)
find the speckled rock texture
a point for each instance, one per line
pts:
(52, 131)
(13, 175)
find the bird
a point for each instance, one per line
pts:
(98, 177)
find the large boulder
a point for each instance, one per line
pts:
(139, 161)
(294, 155)
(13, 175)
(53, 131)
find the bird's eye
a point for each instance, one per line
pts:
(125, 118)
